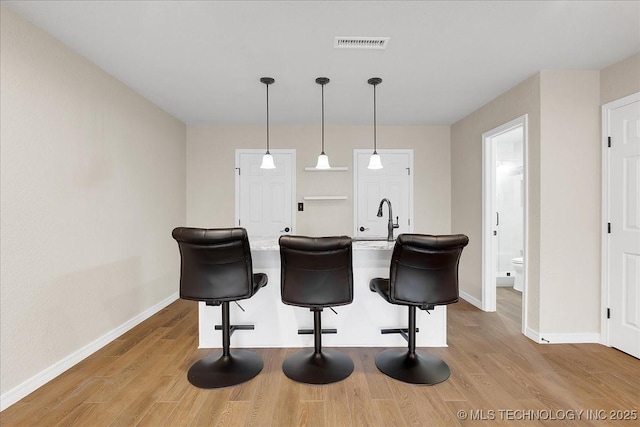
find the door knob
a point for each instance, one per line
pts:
(363, 229)
(286, 230)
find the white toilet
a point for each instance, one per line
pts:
(517, 266)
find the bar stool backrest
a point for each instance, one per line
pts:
(215, 264)
(316, 271)
(424, 269)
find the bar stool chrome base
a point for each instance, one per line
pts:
(217, 371)
(414, 368)
(328, 366)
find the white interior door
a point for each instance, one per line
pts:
(264, 197)
(624, 236)
(394, 182)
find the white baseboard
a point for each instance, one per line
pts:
(15, 394)
(532, 335)
(543, 338)
(593, 338)
(471, 300)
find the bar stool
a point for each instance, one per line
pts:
(216, 268)
(423, 274)
(316, 273)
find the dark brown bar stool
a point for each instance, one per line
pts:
(424, 274)
(216, 268)
(316, 273)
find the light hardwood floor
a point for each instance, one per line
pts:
(509, 305)
(140, 380)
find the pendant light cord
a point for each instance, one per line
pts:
(322, 119)
(374, 120)
(267, 118)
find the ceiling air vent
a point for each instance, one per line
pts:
(361, 42)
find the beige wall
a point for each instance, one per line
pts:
(563, 163)
(93, 177)
(211, 173)
(466, 183)
(570, 208)
(564, 160)
(620, 79)
(92, 182)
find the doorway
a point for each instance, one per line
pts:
(504, 217)
(621, 224)
(393, 182)
(264, 197)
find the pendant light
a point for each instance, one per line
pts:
(374, 160)
(267, 159)
(323, 160)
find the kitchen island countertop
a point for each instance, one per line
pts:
(271, 244)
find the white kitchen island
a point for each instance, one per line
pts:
(358, 324)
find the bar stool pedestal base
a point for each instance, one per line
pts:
(216, 370)
(414, 368)
(328, 366)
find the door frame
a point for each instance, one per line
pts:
(488, 215)
(357, 151)
(605, 288)
(294, 173)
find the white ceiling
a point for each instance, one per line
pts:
(201, 61)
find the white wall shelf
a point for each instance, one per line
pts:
(333, 169)
(325, 197)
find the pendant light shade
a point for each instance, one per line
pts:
(374, 160)
(323, 162)
(267, 159)
(323, 159)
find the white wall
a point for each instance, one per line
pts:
(93, 178)
(211, 173)
(92, 183)
(466, 184)
(570, 204)
(564, 198)
(620, 79)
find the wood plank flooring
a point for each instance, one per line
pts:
(509, 304)
(140, 380)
